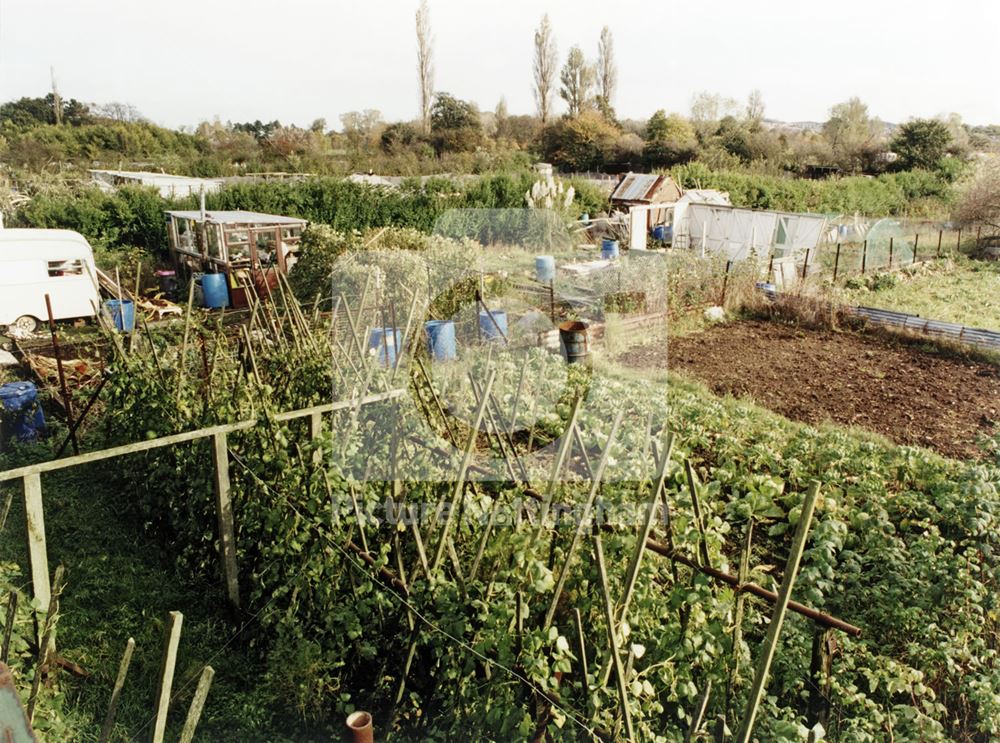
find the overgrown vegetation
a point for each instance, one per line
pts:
(901, 547)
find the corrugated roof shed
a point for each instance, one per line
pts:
(645, 188)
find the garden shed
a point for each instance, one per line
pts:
(643, 189)
(246, 246)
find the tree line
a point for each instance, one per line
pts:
(455, 135)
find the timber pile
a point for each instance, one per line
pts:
(156, 306)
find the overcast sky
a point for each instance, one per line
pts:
(184, 61)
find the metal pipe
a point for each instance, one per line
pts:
(67, 400)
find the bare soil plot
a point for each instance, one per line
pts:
(894, 388)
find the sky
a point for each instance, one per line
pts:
(184, 61)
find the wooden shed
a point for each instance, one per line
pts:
(643, 189)
(248, 247)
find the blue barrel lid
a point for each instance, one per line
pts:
(17, 395)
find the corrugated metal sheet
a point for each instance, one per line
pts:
(988, 339)
(637, 187)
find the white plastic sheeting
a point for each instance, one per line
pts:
(739, 234)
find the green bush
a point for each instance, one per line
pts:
(907, 193)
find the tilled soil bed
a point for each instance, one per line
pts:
(889, 386)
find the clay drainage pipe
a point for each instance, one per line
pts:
(360, 724)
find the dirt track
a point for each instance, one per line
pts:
(893, 388)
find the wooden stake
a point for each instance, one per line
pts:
(557, 467)
(890, 252)
(725, 284)
(864, 256)
(8, 626)
(820, 668)
(584, 518)
(224, 513)
(463, 472)
(940, 235)
(173, 638)
(836, 264)
(699, 713)
(197, 704)
(612, 640)
(696, 507)
(581, 652)
(916, 241)
(741, 598)
(109, 719)
(778, 618)
(64, 390)
(632, 574)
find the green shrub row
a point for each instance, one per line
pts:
(907, 193)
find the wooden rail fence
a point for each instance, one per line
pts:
(30, 476)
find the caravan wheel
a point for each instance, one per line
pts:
(25, 324)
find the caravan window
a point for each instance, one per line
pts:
(66, 268)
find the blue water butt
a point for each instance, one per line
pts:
(215, 290)
(660, 232)
(441, 339)
(19, 401)
(545, 268)
(489, 327)
(122, 313)
(385, 341)
(609, 249)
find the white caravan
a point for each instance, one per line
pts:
(34, 263)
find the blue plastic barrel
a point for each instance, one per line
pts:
(385, 340)
(122, 313)
(23, 415)
(441, 339)
(660, 232)
(609, 249)
(494, 329)
(545, 267)
(215, 290)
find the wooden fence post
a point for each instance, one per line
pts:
(725, 283)
(820, 669)
(224, 510)
(34, 515)
(197, 704)
(109, 720)
(836, 264)
(778, 618)
(173, 638)
(315, 429)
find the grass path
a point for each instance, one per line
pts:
(965, 292)
(119, 584)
